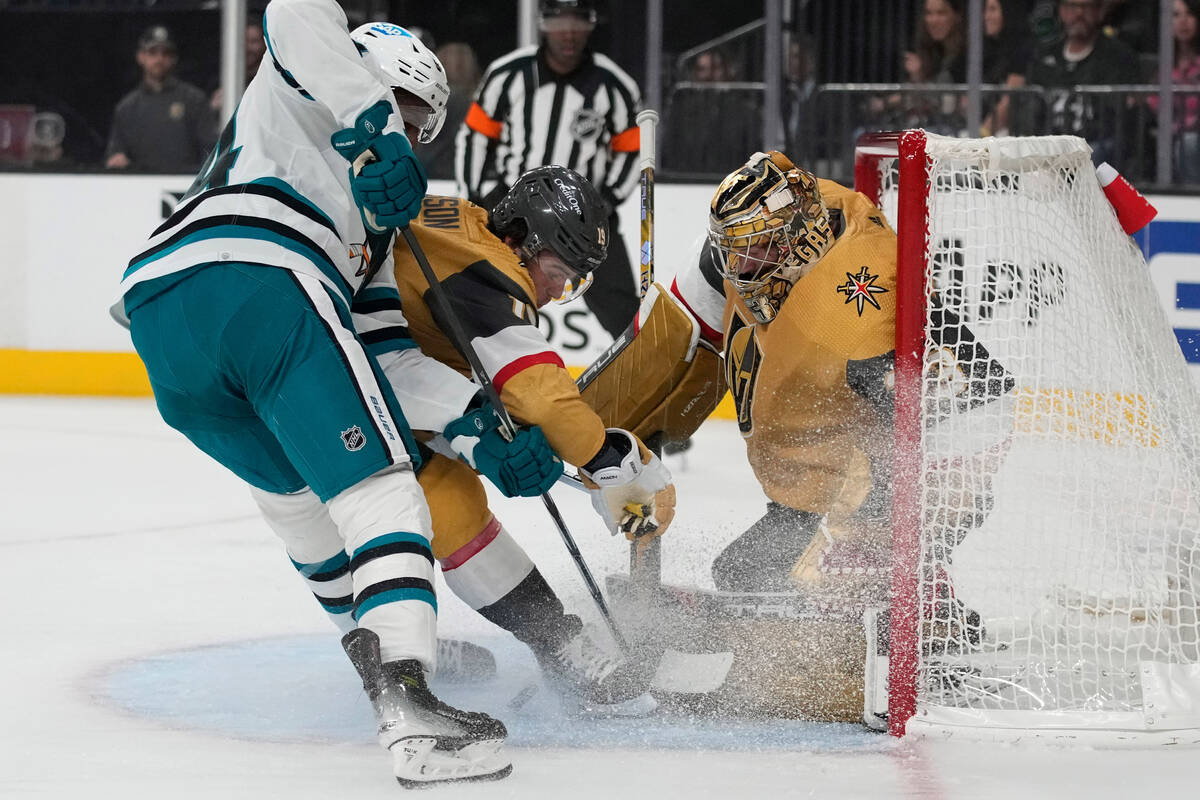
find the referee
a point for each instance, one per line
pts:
(559, 103)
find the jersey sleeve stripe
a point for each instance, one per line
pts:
(463, 554)
(270, 188)
(710, 333)
(627, 141)
(384, 292)
(368, 306)
(388, 340)
(243, 227)
(515, 366)
(478, 120)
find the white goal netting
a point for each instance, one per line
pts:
(1059, 566)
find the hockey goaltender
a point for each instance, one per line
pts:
(791, 307)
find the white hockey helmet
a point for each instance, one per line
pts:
(402, 61)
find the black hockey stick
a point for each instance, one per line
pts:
(507, 427)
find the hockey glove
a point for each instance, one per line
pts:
(386, 179)
(523, 467)
(631, 489)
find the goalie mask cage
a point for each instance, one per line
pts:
(1046, 544)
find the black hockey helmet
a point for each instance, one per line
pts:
(557, 208)
(581, 8)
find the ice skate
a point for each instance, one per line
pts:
(578, 667)
(430, 742)
(464, 662)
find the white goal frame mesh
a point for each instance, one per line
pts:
(1046, 552)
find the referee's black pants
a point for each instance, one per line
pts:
(613, 295)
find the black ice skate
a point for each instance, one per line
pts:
(430, 742)
(578, 666)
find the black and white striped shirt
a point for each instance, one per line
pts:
(525, 115)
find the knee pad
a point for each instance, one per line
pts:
(386, 502)
(457, 503)
(302, 522)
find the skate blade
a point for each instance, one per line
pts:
(641, 706)
(417, 763)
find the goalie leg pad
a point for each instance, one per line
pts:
(658, 376)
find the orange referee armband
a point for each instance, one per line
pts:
(478, 121)
(627, 141)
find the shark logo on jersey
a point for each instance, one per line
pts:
(353, 438)
(363, 254)
(169, 201)
(861, 288)
(587, 124)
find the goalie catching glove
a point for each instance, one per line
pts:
(630, 487)
(524, 466)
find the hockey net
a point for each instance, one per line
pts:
(1046, 541)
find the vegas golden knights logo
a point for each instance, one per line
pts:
(742, 360)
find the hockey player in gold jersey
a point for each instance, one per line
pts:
(540, 243)
(801, 273)
(797, 288)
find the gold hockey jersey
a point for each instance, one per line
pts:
(812, 387)
(493, 297)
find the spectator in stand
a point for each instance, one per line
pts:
(711, 66)
(800, 121)
(1134, 22)
(731, 117)
(560, 103)
(1185, 28)
(1006, 56)
(256, 48)
(463, 74)
(939, 52)
(938, 56)
(164, 125)
(1084, 56)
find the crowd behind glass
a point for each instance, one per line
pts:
(1084, 67)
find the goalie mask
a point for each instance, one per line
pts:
(401, 61)
(767, 227)
(557, 209)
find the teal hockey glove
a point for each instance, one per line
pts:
(524, 467)
(386, 179)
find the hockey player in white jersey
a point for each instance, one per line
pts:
(266, 311)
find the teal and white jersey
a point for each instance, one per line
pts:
(275, 192)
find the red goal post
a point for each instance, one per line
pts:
(1046, 485)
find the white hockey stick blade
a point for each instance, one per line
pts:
(692, 673)
(572, 480)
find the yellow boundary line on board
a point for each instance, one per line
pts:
(60, 372)
(116, 374)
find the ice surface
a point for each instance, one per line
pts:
(157, 644)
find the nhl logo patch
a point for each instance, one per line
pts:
(353, 438)
(587, 124)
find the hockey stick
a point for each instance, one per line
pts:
(507, 427)
(647, 120)
(645, 563)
